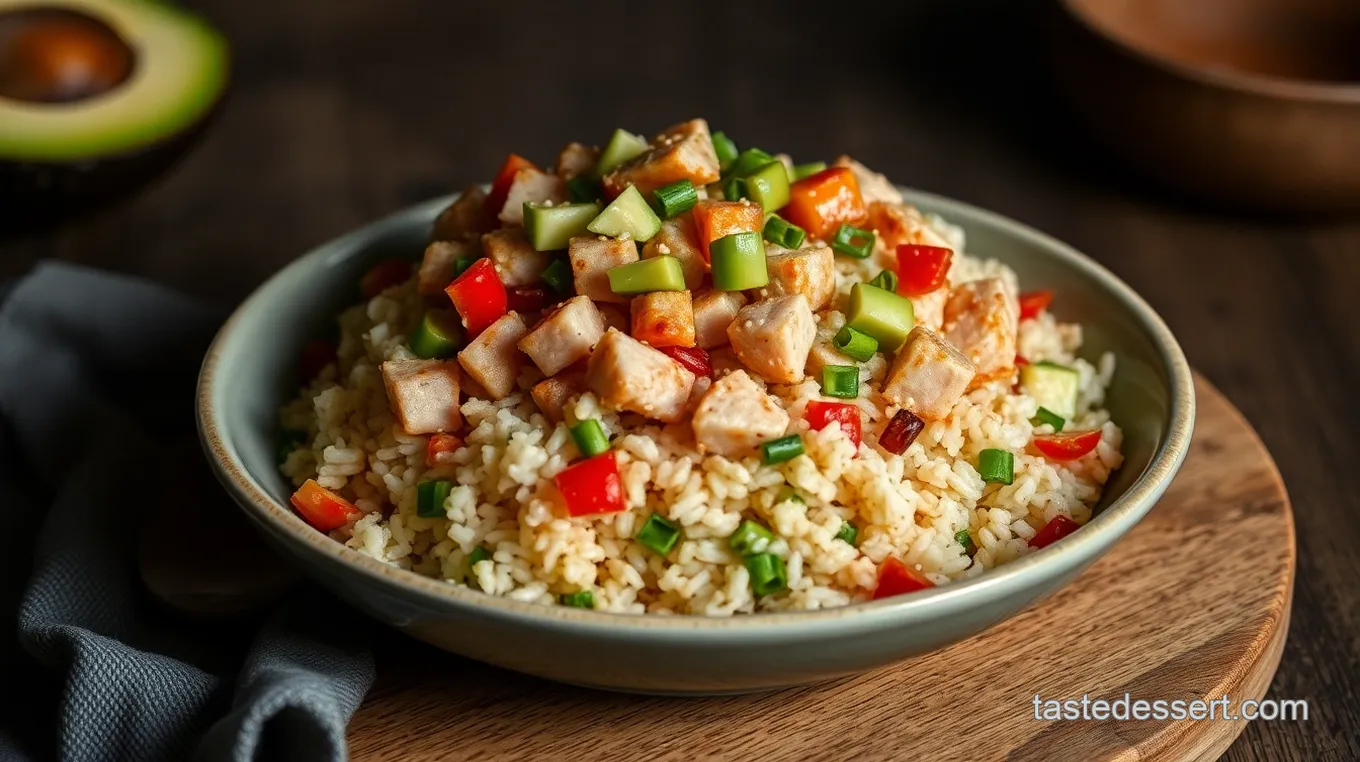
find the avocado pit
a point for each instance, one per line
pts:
(60, 55)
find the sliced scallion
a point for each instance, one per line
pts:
(725, 149)
(768, 574)
(886, 280)
(807, 170)
(590, 438)
(1051, 418)
(659, 534)
(781, 232)
(584, 599)
(675, 199)
(853, 242)
(436, 336)
(750, 538)
(855, 344)
(840, 381)
(430, 497)
(848, 534)
(749, 161)
(782, 449)
(996, 466)
(962, 537)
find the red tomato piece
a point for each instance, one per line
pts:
(922, 269)
(322, 508)
(527, 299)
(821, 203)
(500, 189)
(694, 359)
(1056, 529)
(440, 449)
(821, 414)
(592, 486)
(316, 355)
(896, 578)
(479, 296)
(1034, 302)
(384, 275)
(1020, 362)
(1067, 445)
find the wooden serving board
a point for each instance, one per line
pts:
(1194, 603)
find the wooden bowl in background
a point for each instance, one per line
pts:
(1249, 103)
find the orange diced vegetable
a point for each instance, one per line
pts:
(716, 219)
(664, 319)
(322, 508)
(823, 202)
(440, 448)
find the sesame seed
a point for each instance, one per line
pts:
(663, 249)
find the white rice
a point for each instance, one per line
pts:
(909, 506)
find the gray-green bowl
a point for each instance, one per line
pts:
(248, 373)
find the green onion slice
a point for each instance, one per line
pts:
(659, 534)
(855, 344)
(768, 575)
(584, 599)
(590, 438)
(840, 381)
(750, 538)
(436, 336)
(781, 232)
(1051, 418)
(848, 533)
(675, 199)
(807, 170)
(725, 148)
(430, 497)
(962, 537)
(886, 280)
(558, 276)
(996, 466)
(853, 242)
(782, 449)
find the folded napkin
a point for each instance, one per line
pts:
(96, 384)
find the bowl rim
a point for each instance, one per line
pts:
(1255, 83)
(1013, 578)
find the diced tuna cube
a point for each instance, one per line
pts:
(929, 308)
(565, 336)
(822, 354)
(810, 271)
(465, 218)
(591, 259)
(552, 394)
(576, 159)
(517, 263)
(436, 269)
(683, 152)
(493, 359)
(628, 375)
(773, 337)
(533, 186)
(663, 319)
(981, 319)
(928, 376)
(713, 312)
(735, 416)
(423, 394)
(678, 239)
(872, 185)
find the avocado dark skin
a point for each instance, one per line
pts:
(59, 55)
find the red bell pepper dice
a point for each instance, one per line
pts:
(384, 275)
(1034, 302)
(1056, 529)
(322, 508)
(1068, 445)
(479, 296)
(440, 449)
(896, 578)
(500, 189)
(693, 359)
(922, 269)
(592, 486)
(821, 414)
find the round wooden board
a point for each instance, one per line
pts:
(1194, 603)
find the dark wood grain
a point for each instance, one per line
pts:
(345, 110)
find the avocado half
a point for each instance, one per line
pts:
(97, 97)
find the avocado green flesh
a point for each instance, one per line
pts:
(1052, 386)
(181, 71)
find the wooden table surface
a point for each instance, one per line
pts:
(345, 110)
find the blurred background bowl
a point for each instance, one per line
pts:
(1246, 103)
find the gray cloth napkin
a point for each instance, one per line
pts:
(96, 377)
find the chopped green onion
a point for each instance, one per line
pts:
(844, 241)
(750, 538)
(855, 344)
(627, 216)
(436, 336)
(551, 227)
(725, 149)
(807, 170)
(558, 276)
(768, 186)
(590, 438)
(463, 262)
(840, 381)
(478, 555)
(768, 575)
(738, 262)
(661, 273)
(290, 440)
(733, 188)
(622, 146)
(886, 280)
(582, 600)
(886, 316)
(782, 449)
(659, 534)
(1051, 418)
(430, 497)
(676, 198)
(583, 189)
(962, 538)
(1051, 364)
(789, 493)
(749, 161)
(996, 466)
(781, 232)
(849, 534)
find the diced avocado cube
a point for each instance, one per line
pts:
(628, 215)
(881, 314)
(622, 146)
(769, 186)
(1053, 386)
(551, 227)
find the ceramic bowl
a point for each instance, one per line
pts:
(1252, 104)
(248, 373)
